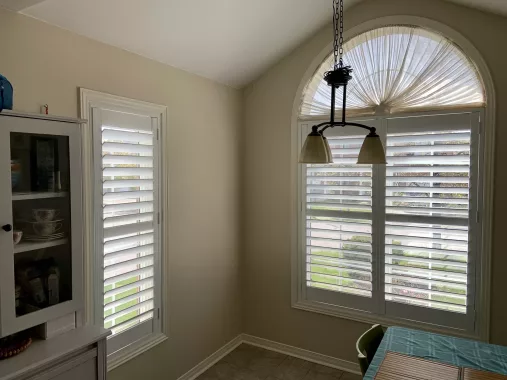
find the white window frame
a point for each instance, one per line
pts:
(93, 313)
(480, 330)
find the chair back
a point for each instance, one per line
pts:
(367, 345)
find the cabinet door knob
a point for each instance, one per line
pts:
(7, 228)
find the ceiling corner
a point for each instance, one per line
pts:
(18, 5)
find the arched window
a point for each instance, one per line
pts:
(400, 241)
(396, 69)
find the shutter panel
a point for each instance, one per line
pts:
(128, 213)
(408, 229)
(339, 222)
(427, 212)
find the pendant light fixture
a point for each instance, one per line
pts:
(316, 149)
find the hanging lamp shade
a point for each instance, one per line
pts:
(372, 151)
(328, 149)
(316, 150)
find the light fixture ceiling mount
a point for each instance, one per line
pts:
(316, 149)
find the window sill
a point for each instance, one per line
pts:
(122, 356)
(370, 318)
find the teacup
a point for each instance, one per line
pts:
(46, 228)
(16, 236)
(45, 214)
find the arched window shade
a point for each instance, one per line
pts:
(397, 69)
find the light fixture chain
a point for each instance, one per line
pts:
(340, 41)
(316, 149)
(336, 20)
(338, 33)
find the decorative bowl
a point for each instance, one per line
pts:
(14, 345)
(16, 236)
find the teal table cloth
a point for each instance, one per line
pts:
(440, 348)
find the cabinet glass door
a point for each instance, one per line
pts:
(41, 212)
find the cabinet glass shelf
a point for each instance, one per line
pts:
(33, 245)
(20, 196)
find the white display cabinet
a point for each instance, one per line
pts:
(41, 275)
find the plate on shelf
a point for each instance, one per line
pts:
(44, 238)
(36, 222)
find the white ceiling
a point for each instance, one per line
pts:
(228, 41)
(18, 5)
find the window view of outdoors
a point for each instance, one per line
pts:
(426, 234)
(427, 254)
(128, 215)
(339, 205)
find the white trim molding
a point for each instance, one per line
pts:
(211, 360)
(297, 352)
(300, 353)
(487, 136)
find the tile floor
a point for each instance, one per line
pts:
(252, 363)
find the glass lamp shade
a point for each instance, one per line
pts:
(372, 151)
(328, 149)
(316, 150)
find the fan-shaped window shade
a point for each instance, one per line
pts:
(396, 69)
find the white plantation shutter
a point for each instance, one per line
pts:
(126, 148)
(338, 226)
(397, 240)
(428, 205)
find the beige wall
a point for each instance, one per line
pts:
(267, 171)
(47, 65)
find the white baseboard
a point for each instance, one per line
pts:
(310, 356)
(211, 360)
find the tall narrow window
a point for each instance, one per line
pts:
(129, 220)
(127, 217)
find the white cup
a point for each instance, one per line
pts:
(45, 214)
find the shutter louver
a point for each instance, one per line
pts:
(128, 220)
(427, 209)
(339, 221)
